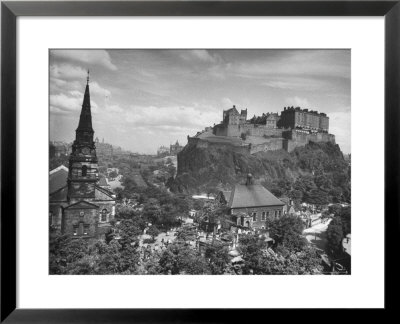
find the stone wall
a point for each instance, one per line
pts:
(272, 139)
(270, 212)
(248, 129)
(271, 144)
(55, 215)
(87, 220)
(260, 130)
(297, 138)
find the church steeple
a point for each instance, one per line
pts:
(84, 132)
(83, 168)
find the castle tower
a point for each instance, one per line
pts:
(83, 169)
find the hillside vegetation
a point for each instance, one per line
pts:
(316, 173)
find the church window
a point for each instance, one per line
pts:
(84, 171)
(75, 230)
(263, 216)
(254, 217)
(104, 215)
(86, 229)
(81, 214)
(50, 218)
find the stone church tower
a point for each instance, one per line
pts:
(81, 208)
(83, 169)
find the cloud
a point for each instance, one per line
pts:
(178, 117)
(96, 89)
(340, 125)
(227, 103)
(304, 64)
(62, 102)
(298, 102)
(63, 72)
(295, 83)
(91, 57)
(164, 95)
(66, 103)
(200, 55)
(114, 109)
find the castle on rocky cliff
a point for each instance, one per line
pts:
(292, 128)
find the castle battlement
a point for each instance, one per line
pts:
(272, 131)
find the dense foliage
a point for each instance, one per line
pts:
(338, 228)
(287, 232)
(316, 173)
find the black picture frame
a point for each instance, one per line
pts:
(11, 10)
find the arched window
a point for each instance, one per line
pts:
(84, 171)
(104, 215)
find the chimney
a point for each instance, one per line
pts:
(249, 180)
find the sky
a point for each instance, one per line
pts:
(142, 99)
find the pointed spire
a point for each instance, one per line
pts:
(85, 121)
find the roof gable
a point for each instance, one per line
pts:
(253, 195)
(58, 178)
(59, 195)
(82, 205)
(103, 194)
(226, 195)
(103, 182)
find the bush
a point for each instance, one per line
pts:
(149, 240)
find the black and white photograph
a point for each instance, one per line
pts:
(199, 162)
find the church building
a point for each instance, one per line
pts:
(82, 208)
(251, 204)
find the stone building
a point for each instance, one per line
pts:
(162, 151)
(302, 118)
(61, 148)
(272, 120)
(104, 150)
(251, 204)
(269, 132)
(81, 207)
(174, 149)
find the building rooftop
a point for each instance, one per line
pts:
(58, 178)
(103, 182)
(227, 195)
(252, 195)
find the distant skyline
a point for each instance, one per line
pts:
(142, 99)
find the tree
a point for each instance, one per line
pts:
(306, 261)
(251, 248)
(260, 260)
(153, 231)
(52, 151)
(345, 216)
(334, 234)
(316, 197)
(182, 259)
(218, 258)
(296, 195)
(336, 194)
(128, 231)
(287, 232)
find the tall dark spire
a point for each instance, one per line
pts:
(84, 132)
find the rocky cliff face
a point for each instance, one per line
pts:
(219, 167)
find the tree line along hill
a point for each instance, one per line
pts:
(316, 173)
